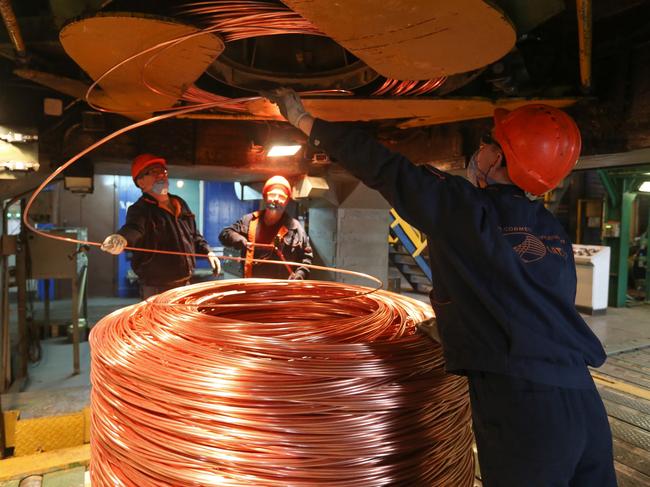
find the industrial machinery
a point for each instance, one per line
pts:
(592, 269)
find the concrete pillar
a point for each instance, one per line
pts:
(352, 236)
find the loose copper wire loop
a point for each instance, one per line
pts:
(240, 387)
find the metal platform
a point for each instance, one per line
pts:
(627, 400)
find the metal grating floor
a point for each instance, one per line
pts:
(629, 414)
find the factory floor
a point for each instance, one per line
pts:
(624, 381)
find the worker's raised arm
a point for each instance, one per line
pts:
(422, 195)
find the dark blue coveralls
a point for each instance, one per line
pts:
(504, 285)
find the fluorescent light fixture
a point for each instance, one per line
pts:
(19, 165)
(645, 187)
(283, 150)
(12, 137)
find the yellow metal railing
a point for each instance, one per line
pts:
(418, 239)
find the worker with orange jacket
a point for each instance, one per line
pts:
(271, 234)
(159, 221)
(504, 285)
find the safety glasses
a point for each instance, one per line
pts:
(154, 171)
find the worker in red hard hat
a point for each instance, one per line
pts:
(504, 285)
(159, 221)
(271, 234)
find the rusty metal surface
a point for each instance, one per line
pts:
(583, 8)
(418, 111)
(13, 29)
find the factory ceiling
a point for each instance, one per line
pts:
(425, 74)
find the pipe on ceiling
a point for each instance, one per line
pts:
(583, 9)
(11, 23)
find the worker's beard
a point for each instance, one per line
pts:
(273, 213)
(273, 206)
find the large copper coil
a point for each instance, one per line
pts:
(272, 383)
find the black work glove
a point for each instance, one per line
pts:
(241, 243)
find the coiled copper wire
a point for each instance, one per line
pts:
(262, 382)
(412, 88)
(243, 19)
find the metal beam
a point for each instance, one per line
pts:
(624, 248)
(618, 159)
(609, 186)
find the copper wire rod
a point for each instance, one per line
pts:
(239, 386)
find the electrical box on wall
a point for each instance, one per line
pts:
(611, 229)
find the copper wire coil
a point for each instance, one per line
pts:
(256, 382)
(243, 19)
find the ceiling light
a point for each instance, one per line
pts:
(645, 187)
(13, 137)
(283, 150)
(180, 183)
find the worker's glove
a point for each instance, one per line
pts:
(240, 242)
(289, 104)
(114, 244)
(297, 276)
(215, 263)
(429, 328)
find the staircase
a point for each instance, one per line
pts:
(407, 254)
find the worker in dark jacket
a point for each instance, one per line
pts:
(271, 234)
(504, 285)
(159, 221)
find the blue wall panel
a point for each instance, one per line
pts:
(222, 208)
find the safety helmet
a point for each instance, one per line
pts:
(277, 182)
(541, 145)
(143, 161)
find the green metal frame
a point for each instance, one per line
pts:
(622, 189)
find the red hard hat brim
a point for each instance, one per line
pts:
(151, 162)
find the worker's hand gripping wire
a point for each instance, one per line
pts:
(296, 276)
(429, 328)
(215, 263)
(289, 104)
(114, 244)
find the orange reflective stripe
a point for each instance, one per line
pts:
(250, 251)
(282, 232)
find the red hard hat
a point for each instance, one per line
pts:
(277, 182)
(541, 145)
(143, 161)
